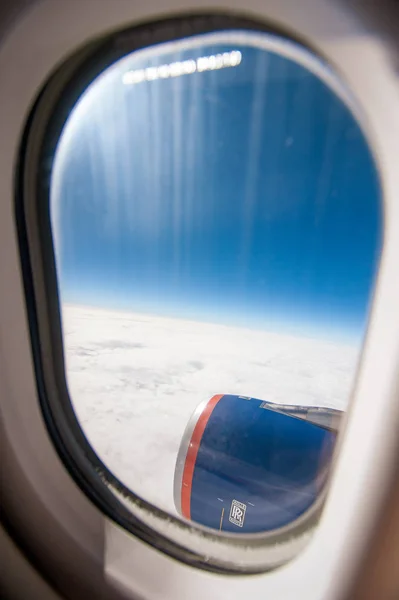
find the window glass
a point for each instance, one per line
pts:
(216, 220)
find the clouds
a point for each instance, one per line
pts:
(134, 381)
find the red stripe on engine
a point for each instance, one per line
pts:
(192, 453)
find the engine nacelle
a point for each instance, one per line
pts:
(249, 466)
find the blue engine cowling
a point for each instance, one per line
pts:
(249, 466)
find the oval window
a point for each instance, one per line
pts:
(216, 216)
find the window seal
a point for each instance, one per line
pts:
(32, 188)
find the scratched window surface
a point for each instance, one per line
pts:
(216, 219)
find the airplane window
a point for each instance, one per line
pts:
(216, 219)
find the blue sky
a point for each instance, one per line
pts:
(245, 195)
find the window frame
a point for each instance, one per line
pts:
(32, 291)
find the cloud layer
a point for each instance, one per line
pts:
(134, 381)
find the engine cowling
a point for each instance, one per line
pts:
(248, 466)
